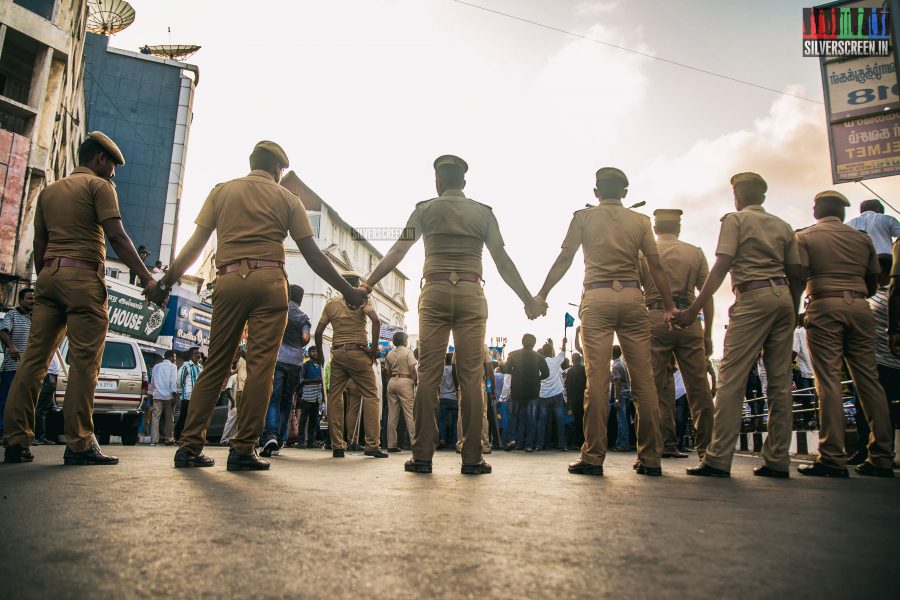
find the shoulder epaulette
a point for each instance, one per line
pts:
(725, 216)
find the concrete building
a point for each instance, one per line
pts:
(345, 249)
(42, 119)
(145, 104)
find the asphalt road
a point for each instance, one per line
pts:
(316, 527)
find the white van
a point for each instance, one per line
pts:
(121, 389)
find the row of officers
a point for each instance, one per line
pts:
(647, 290)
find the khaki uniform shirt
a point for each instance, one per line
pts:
(760, 243)
(400, 361)
(455, 229)
(685, 267)
(71, 211)
(349, 326)
(838, 256)
(252, 216)
(612, 237)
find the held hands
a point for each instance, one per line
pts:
(155, 294)
(536, 308)
(683, 318)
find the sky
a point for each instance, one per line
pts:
(364, 94)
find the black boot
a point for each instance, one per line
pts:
(246, 462)
(17, 454)
(183, 459)
(92, 456)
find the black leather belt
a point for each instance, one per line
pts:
(836, 294)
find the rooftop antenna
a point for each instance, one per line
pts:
(107, 17)
(170, 50)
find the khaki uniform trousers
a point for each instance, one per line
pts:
(68, 301)
(690, 353)
(353, 366)
(401, 395)
(485, 433)
(258, 301)
(838, 329)
(762, 318)
(462, 309)
(604, 312)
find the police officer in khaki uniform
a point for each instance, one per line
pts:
(351, 360)
(760, 250)
(252, 216)
(686, 269)
(841, 270)
(71, 219)
(455, 230)
(400, 365)
(613, 237)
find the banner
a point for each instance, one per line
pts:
(135, 317)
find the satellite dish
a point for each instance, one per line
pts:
(173, 51)
(107, 17)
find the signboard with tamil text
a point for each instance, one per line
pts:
(862, 98)
(134, 317)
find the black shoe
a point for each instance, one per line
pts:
(674, 454)
(817, 469)
(858, 458)
(459, 450)
(92, 456)
(563, 448)
(417, 466)
(17, 454)
(376, 453)
(618, 449)
(510, 447)
(308, 445)
(538, 448)
(269, 447)
(337, 454)
(355, 448)
(702, 470)
(529, 449)
(481, 468)
(871, 470)
(765, 471)
(393, 450)
(251, 461)
(183, 459)
(579, 467)
(172, 443)
(651, 471)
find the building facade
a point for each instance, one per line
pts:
(145, 103)
(42, 119)
(347, 252)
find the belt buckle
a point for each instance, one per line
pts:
(454, 277)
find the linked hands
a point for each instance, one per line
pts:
(155, 294)
(536, 308)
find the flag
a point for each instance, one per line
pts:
(570, 320)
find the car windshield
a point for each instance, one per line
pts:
(116, 355)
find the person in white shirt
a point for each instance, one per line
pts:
(164, 389)
(882, 228)
(552, 398)
(46, 402)
(804, 378)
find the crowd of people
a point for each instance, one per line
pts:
(643, 286)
